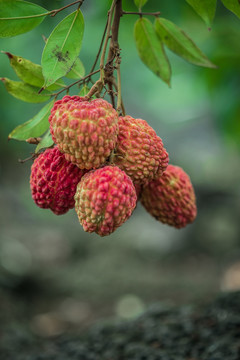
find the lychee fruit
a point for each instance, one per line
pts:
(53, 181)
(104, 200)
(171, 198)
(85, 131)
(139, 151)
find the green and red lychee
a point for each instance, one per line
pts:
(53, 181)
(139, 151)
(171, 198)
(104, 200)
(85, 131)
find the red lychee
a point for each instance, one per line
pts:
(85, 131)
(171, 198)
(139, 151)
(53, 181)
(104, 200)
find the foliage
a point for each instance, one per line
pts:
(62, 47)
(60, 57)
(151, 50)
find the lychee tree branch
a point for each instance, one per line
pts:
(110, 14)
(98, 86)
(115, 27)
(106, 72)
(114, 52)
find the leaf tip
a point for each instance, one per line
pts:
(213, 66)
(10, 56)
(45, 39)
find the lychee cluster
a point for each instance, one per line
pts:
(103, 163)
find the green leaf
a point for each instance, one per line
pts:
(34, 127)
(177, 41)
(16, 17)
(84, 90)
(204, 8)
(233, 6)
(140, 3)
(46, 142)
(62, 47)
(25, 92)
(29, 72)
(150, 49)
(77, 71)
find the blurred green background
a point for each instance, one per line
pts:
(56, 277)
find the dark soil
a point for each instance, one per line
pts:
(211, 332)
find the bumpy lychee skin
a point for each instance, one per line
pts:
(104, 200)
(171, 198)
(53, 181)
(85, 131)
(139, 151)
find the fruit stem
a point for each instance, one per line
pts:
(111, 93)
(119, 100)
(96, 88)
(122, 105)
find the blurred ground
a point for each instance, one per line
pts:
(55, 277)
(163, 332)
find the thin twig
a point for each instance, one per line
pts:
(110, 14)
(115, 27)
(55, 12)
(51, 13)
(119, 100)
(111, 93)
(122, 105)
(114, 52)
(96, 88)
(100, 48)
(76, 82)
(33, 156)
(123, 109)
(140, 13)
